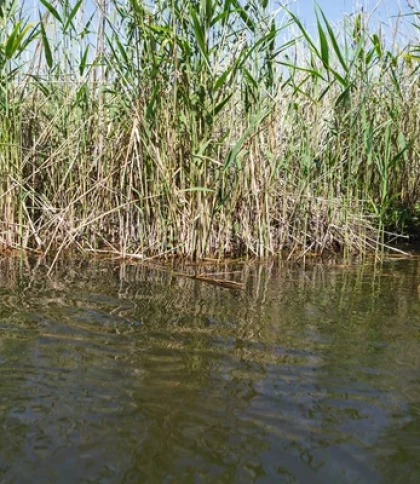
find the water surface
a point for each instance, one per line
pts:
(115, 373)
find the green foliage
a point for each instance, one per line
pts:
(203, 128)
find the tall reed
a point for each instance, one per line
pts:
(204, 129)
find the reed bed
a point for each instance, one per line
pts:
(204, 129)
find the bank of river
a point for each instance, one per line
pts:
(114, 373)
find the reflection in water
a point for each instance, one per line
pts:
(124, 374)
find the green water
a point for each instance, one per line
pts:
(113, 373)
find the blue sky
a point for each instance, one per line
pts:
(384, 11)
(334, 9)
(381, 13)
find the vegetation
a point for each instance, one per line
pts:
(204, 128)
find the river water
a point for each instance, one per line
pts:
(117, 373)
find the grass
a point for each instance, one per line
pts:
(204, 129)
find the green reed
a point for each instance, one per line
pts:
(204, 129)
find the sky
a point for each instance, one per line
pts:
(335, 9)
(381, 13)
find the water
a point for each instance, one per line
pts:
(114, 373)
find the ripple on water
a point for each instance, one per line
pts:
(156, 381)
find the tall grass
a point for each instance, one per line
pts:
(204, 129)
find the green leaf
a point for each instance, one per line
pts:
(83, 61)
(221, 81)
(151, 103)
(52, 10)
(16, 41)
(10, 43)
(115, 39)
(199, 33)
(71, 16)
(342, 80)
(222, 104)
(233, 153)
(377, 44)
(304, 33)
(249, 77)
(46, 44)
(334, 42)
(313, 72)
(247, 20)
(209, 12)
(324, 48)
